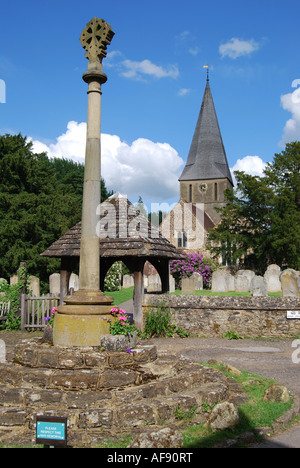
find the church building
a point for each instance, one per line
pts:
(203, 182)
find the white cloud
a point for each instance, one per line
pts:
(137, 70)
(183, 91)
(252, 165)
(235, 48)
(291, 103)
(143, 168)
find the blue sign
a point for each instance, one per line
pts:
(51, 430)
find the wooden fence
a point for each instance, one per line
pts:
(35, 309)
(4, 310)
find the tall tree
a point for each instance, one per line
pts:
(40, 199)
(261, 221)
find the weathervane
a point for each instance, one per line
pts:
(207, 71)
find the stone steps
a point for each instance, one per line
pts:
(105, 397)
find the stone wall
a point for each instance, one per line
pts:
(214, 316)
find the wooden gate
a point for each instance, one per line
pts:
(35, 309)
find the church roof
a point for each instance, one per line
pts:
(207, 158)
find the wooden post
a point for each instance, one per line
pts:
(138, 293)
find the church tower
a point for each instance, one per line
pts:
(206, 174)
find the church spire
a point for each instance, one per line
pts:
(207, 158)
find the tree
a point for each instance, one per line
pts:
(40, 199)
(261, 220)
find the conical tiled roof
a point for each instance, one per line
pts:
(207, 158)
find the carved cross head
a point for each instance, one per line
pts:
(95, 38)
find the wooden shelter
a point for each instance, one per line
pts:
(126, 235)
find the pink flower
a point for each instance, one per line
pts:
(123, 318)
(53, 310)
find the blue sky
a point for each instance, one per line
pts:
(156, 81)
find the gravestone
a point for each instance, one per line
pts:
(128, 281)
(259, 286)
(272, 277)
(74, 282)
(34, 286)
(230, 281)
(198, 281)
(154, 283)
(13, 279)
(218, 281)
(54, 284)
(243, 280)
(171, 284)
(188, 286)
(289, 283)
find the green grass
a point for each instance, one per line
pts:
(254, 413)
(125, 294)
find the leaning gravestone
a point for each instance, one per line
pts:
(259, 286)
(272, 276)
(289, 283)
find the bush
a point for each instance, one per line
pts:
(192, 263)
(112, 278)
(158, 323)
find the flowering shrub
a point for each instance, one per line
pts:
(112, 278)
(50, 320)
(192, 263)
(121, 326)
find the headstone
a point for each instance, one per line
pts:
(289, 283)
(198, 281)
(259, 286)
(229, 278)
(243, 280)
(218, 282)
(74, 282)
(34, 285)
(54, 284)
(128, 281)
(171, 284)
(13, 279)
(188, 286)
(154, 283)
(272, 276)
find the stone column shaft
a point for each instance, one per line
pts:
(89, 271)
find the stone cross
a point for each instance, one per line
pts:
(95, 38)
(84, 317)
